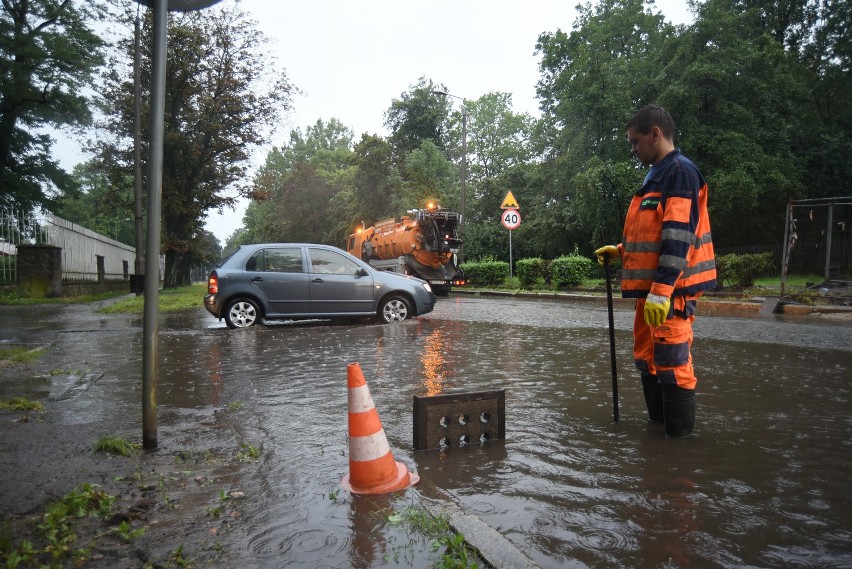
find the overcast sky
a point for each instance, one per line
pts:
(351, 59)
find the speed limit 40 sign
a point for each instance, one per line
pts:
(511, 218)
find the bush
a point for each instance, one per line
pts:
(530, 271)
(486, 273)
(742, 270)
(570, 270)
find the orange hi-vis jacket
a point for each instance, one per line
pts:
(666, 248)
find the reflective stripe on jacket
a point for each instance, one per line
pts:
(666, 248)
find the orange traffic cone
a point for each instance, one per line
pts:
(372, 468)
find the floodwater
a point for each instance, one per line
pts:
(764, 482)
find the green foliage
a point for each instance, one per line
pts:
(126, 532)
(115, 445)
(570, 270)
(486, 273)
(529, 271)
(428, 177)
(21, 404)
(501, 136)
(49, 52)
(457, 552)
(376, 177)
(417, 116)
(742, 270)
(294, 191)
(182, 298)
(102, 203)
(724, 95)
(56, 530)
(248, 453)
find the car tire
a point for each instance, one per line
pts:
(242, 313)
(394, 308)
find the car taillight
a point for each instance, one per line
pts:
(212, 284)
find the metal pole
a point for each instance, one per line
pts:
(463, 179)
(139, 264)
(828, 241)
(511, 275)
(152, 252)
(785, 253)
(611, 340)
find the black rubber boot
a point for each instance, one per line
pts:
(653, 397)
(678, 410)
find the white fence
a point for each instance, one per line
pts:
(81, 247)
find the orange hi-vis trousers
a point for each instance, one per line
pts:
(666, 351)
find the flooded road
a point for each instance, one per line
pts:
(764, 482)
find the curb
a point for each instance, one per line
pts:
(706, 307)
(491, 545)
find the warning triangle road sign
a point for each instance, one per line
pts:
(509, 202)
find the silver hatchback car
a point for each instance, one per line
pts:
(297, 281)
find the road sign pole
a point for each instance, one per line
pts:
(511, 275)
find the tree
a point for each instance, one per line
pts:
(293, 191)
(376, 180)
(428, 177)
(419, 114)
(223, 96)
(498, 139)
(98, 203)
(48, 57)
(735, 94)
(593, 80)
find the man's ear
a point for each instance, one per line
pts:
(655, 131)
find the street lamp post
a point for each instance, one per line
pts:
(463, 169)
(150, 325)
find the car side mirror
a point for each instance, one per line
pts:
(361, 272)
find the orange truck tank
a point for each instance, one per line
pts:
(423, 243)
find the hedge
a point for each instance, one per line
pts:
(486, 273)
(570, 270)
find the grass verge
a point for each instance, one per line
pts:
(13, 299)
(170, 299)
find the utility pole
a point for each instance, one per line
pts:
(463, 169)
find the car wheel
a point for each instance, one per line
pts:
(242, 313)
(394, 309)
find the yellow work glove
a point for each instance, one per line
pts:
(657, 309)
(610, 251)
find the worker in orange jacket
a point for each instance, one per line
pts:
(667, 264)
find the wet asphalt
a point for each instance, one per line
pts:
(763, 482)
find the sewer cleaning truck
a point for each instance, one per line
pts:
(423, 243)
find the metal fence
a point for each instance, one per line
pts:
(81, 247)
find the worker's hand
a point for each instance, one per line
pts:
(607, 251)
(656, 309)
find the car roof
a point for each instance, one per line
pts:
(259, 245)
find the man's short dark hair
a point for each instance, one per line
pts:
(650, 116)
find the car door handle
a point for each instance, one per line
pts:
(257, 279)
(317, 280)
